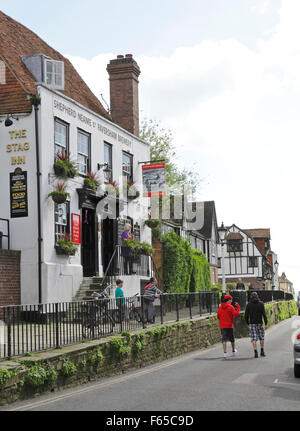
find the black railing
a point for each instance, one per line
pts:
(2, 235)
(243, 296)
(35, 328)
(121, 265)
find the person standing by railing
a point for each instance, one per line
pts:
(240, 285)
(150, 293)
(121, 301)
(125, 251)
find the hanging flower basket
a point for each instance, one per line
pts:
(137, 248)
(64, 167)
(91, 182)
(59, 196)
(111, 188)
(152, 223)
(131, 191)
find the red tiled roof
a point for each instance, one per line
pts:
(234, 235)
(258, 233)
(16, 40)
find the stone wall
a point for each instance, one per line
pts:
(74, 365)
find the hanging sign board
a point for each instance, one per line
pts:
(76, 228)
(18, 194)
(154, 180)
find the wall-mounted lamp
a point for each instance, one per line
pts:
(102, 165)
(8, 122)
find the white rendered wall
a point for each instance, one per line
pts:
(236, 264)
(61, 275)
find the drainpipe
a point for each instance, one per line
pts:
(36, 101)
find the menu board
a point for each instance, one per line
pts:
(18, 194)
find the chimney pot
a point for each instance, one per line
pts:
(120, 56)
(128, 55)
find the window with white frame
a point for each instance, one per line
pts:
(83, 152)
(61, 216)
(127, 166)
(108, 160)
(54, 73)
(61, 136)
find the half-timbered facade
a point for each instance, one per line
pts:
(244, 259)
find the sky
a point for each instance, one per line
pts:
(222, 75)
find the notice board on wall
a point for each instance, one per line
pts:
(18, 193)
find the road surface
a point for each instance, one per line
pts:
(198, 381)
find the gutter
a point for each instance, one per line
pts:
(36, 102)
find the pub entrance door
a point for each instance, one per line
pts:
(89, 246)
(108, 243)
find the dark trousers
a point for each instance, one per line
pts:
(127, 265)
(149, 310)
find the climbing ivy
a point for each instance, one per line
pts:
(68, 368)
(118, 348)
(36, 376)
(184, 269)
(5, 375)
(97, 357)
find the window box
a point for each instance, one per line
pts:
(62, 252)
(65, 247)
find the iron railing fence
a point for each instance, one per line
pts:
(243, 296)
(120, 265)
(26, 329)
(34, 328)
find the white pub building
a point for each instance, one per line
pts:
(47, 112)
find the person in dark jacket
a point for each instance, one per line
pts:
(226, 314)
(255, 313)
(150, 293)
(240, 285)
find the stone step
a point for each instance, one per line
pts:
(90, 285)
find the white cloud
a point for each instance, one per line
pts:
(235, 112)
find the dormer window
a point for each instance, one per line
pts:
(54, 74)
(46, 70)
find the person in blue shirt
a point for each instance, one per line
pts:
(120, 300)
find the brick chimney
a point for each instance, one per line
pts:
(124, 97)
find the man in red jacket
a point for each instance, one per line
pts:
(226, 314)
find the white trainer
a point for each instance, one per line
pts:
(234, 352)
(225, 355)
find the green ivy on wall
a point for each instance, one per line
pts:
(184, 269)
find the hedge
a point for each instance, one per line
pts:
(185, 269)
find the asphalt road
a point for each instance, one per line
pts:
(199, 381)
